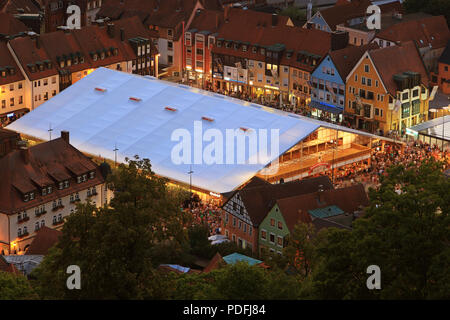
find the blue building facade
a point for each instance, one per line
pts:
(319, 22)
(327, 92)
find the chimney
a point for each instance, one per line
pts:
(38, 44)
(274, 20)
(320, 198)
(110, 30)
(65, 136)
(339, 40)
(226, 12)
(25, 153)
(217, 21)
(122, 34)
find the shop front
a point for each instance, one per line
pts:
(8, 117)
(327, 112)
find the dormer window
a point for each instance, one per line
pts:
(219, 44)
(60, 186)
(26, 197)
(31, 195)
(66, 184)
(84, 178)
(254, 49)
(62, 63)
(94, 57)
(244, 48)
(49, 190)
(92, 175)
(263, 51)
(102, 55)
(69, 63)
(44, 191)
(79, 179)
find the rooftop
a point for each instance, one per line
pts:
(237, 257)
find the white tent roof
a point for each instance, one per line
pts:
(99, 121)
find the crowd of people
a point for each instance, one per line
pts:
(207, 212)
(369, 172)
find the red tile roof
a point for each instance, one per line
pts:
(8, 267)
(295, 209)
(258, 201)
(48, 162)
(343, 12)
(11, 6)
(45, 239)
(6, 60)
(424, 32)
(27, 53)
(398, 59)
(345, 59)
(214, 263)
(296, 39)
(207, 20)
(151, 12)
(10, 25)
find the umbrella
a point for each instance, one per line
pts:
(220, 241)
(217, 237)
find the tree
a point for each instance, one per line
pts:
(301, 248)
(15, 287)
(405, 234)
(114, 246)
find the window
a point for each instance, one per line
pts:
(272, 238)
(356, 77)
(280, 225)
(78, 179)
(91, 175)
(31, 195)
(66, 184)
(279, 241)
(169, 45)
(11, 87)
(366, 68)
(240, 224)
(54, 220)
(42, 223)
(263, 234)
(170, 59)
(369, 82)
(234, 222)
(36, 226)
(11, 102)
(272, 222)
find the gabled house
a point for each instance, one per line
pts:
(443, 79)
(430, 35)
(244, 211)
(324, 208)
(166, 19)
(328, 82)
(198, 43)
(13, 97)
(40, 186)
(387, 90)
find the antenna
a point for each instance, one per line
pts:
(190, 179)
(115, 155)
(50, 131)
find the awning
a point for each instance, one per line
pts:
(326, 108)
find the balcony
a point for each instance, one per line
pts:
(22, 235)
(40, 213)
(90, 195)
(75, 200)
(24, 219)
(57, 208)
